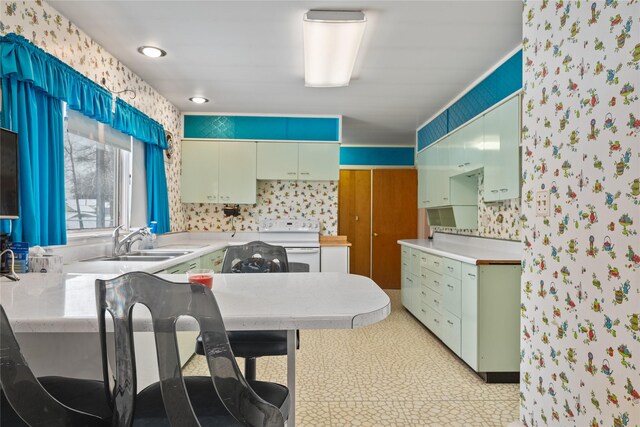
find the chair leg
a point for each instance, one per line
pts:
(250, 368)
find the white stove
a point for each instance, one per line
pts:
(300, 237)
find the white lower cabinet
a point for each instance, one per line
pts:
(474, 310)
(334, 259)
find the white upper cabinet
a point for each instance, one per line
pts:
(237, 178)
(218, 172)
(502, 152)
(304, 161)
(443, 173)
(467, 147)
(432, 192)
(200, 171)
(474, 145)
(277, 160)
(421, 164)
(318, 162)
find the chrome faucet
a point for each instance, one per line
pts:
(127, 241)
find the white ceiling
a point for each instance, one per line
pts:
(247, 57)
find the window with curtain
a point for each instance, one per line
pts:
(95, 157)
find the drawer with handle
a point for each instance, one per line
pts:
(433, 321)
(414, 262)
(434, 263)
(423, 259)
(451, 294)
(450, 329)
(451, 267)
(431, 279)
(433, 300)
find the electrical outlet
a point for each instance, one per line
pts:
(542, 203)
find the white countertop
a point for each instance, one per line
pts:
(44, 303)
(197, 249)
(468, 249)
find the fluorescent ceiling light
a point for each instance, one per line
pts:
(151, 51)
(331, 42)
(198, 100)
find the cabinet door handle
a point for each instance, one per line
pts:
(436, 263)
(450, 322)
(445, 198)
(504, 189)
(436, 282)
(423, 294)
(436, 301)
(450, 286)
(467, 164)
(471, 275)
(450, 268)
(460, 166)
(423, 310)
(291, 173)
(409, 280)
(494, 191)
(428, 201)
(304, 173)
(436, 320)
(424, 276)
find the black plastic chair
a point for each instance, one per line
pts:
(223, 399)
(47, 401)
(255, 257)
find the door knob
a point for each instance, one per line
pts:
(357, 218)
(375, 234)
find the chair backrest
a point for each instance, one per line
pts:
(255, 257)
(167, 301)
(30, 401)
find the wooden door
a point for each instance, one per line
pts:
(354, 217)
(395, 217)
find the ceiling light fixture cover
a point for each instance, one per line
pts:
(152, 51)
(198, 100)
(331, 42)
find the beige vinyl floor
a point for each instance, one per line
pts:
(393, 373)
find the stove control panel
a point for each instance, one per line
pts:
(289, 225)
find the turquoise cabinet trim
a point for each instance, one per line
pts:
(434, 130)
(377, 156)
(502, 82)
(262, 128)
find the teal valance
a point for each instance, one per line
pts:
(134, 122)
(21, 60)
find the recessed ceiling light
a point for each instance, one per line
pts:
(198, 100)
(151, 51)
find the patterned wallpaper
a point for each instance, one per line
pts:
(276, 199)
(497, 220)
(47, 29)
(580, 346)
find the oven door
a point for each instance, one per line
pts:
(303, 259)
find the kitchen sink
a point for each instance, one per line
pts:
(160, 252)
(132, 257)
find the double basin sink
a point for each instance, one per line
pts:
(143, 256)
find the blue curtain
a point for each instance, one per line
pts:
(37, 118)
(157, 192)
(41, 73)
(133, 122)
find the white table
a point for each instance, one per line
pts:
(54, 315)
